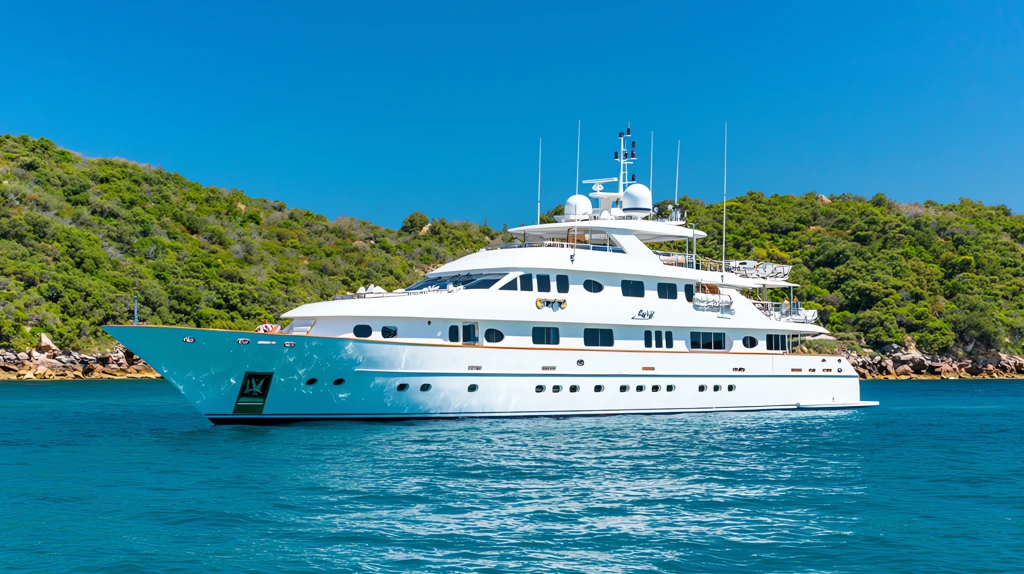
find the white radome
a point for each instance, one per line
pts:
(578, 208)
(637, 200)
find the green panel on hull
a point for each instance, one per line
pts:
(252, 394)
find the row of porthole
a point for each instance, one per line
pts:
(716, 388)
(600, 388)
(336, 382)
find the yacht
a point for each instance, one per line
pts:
(577, 317)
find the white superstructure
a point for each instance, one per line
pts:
(578, 317)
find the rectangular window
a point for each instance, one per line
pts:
(668, 339)
(648, 339)
(453, 334)
(667, 291)
(632, 288)
(526, 282)
(544, 283)
(562, 282)
(657, 339)
(598, 338)
(688, 291)
(545, 335)
(708, 341)
(469, 334)
(777, 343)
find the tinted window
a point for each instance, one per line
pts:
(389, 332)
(362, 331)
(598, 338)
(648, 339)
(545, 335)
(485, 282)
(704, 340)
(453, 334)
(544, 283)
(688, 290)
(667, 291)
(562, 282)
(694, 339)
(776, 342)
(623, 388)
(749, 342)
(526, 282)
(510, 286)
(668, 339)
(493, 336)
(598, 388)
(402, 386)
(469, 333)
(719, 339)
(593, 286)
(632, 288)
(657, 339)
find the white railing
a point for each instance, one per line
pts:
(557, 245)
(784, 311)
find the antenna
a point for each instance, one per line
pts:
(652, 164)
(679, 145)
(725, 179)
(540, 150)
(579, 125)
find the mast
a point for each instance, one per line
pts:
(540, 150)
(725, 179)
(579, 125)
(679, 144)
(652, 164)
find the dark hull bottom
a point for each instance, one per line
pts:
(265, 420)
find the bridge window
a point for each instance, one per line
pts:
(632, 288)
(493, 336)
(453, 334)
(598, 338)
(485, 282)
(749, 342)
(707, 341)
(510, 286)
(545, 335)
(562, 282)
(593, 286)
(362, 331)
(667, 291)
(389, 332)
(544, 283)
(526, 282)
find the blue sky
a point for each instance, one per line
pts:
(378, 109)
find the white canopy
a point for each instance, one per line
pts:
(646, 231)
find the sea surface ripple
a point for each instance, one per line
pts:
(125, 477)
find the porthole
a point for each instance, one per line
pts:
(539, 389)
(655, 388)
(472, 388)
(623, 388)
(574, 388)
(493, 336)
(670, 388)
(389, 332)
(402, 387)
(579, 363)
(732, 388)
(310, 381)
(425, 387)
(702, 388)
(339, 382)
(839, 370)
(556, 388)
(640, 388)
(749, 342)
(362, 331)
(598, 388)
(718, 388)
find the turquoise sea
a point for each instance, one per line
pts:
(125, 476)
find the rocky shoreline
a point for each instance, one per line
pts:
(913, 364)
(46, 361)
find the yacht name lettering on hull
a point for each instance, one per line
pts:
(643, 315)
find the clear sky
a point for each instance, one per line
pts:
(377, 109)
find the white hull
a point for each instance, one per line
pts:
(211, 371)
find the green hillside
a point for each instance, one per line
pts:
(78, 237)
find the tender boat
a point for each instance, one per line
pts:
(578, 317)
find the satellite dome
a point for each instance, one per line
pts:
(637, 200)
(577, 208)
